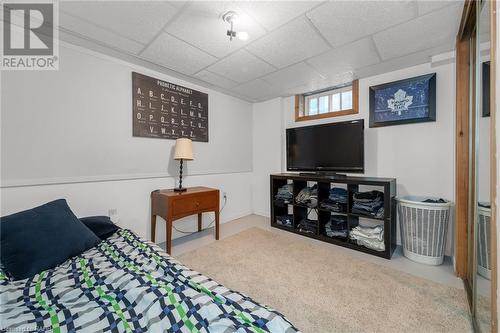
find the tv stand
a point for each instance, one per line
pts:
(321, 216)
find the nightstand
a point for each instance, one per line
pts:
(172, 206)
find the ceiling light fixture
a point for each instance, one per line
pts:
(242, 35)
(231, 18)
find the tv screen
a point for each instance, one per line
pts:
(330, 147)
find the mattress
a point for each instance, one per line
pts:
(126, 284)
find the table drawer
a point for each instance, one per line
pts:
(194, 203)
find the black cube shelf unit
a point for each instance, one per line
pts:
(324, 183)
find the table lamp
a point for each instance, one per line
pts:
(183, 151)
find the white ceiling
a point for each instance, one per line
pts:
(294, 46)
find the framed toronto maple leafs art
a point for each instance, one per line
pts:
(405, 101)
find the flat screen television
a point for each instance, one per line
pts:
(335, 147)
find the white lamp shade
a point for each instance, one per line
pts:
(183, 149)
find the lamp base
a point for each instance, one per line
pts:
(180, 189)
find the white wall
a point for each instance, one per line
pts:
(420, 156)
(131, 199)
(81, 115)
(267, 124)
(70, 133)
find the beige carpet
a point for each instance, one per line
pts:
(324, 290)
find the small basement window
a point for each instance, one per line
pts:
(333, 102)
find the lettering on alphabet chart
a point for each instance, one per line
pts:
(168, 111)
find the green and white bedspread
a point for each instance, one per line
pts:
(126, 284)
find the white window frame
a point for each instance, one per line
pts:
(328, 94)
(302, 111)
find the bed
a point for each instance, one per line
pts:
(126, 284)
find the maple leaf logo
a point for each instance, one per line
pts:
(400, 102)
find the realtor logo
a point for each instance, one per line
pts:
(30, 39)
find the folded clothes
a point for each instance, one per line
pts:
(337, 226)
(338, 194)
(371, 244)
(333, 206)
(338, 222)
(368, 196)
(285, 192)
(368, 203)
(370, 237)
(377, 212)
(336, 202)
(333, 233)
(308, 196)
(308, 226)
(282, 202)
(285, 220)
(376, 233)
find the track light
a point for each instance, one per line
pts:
(231, 18)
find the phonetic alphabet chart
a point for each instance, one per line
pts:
(168, 111)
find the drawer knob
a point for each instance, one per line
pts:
(197, 203)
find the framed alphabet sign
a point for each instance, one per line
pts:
(168, 111)
(405, 101)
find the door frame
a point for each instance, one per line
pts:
(493, 166)
(462, 136)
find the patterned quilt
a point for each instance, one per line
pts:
(128, 285)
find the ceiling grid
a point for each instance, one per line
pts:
(293, 45)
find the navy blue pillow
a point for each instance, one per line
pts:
(37, 239)
(101, 226)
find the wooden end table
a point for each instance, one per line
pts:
(172, 206)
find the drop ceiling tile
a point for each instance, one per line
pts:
(293, 76)
(309, 87)
(257, 90)
(426, 6)
(291, 43)
(177, 55)
(241, 66)
(406, 61)
(138, 20)
(431, 30)
(215, 79)
(342, 22)
(201, 25)
(346, 58)
(272, 14)
(95, 33)
(175, 3)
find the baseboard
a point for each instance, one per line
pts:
(261, 213)
(236, 216)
